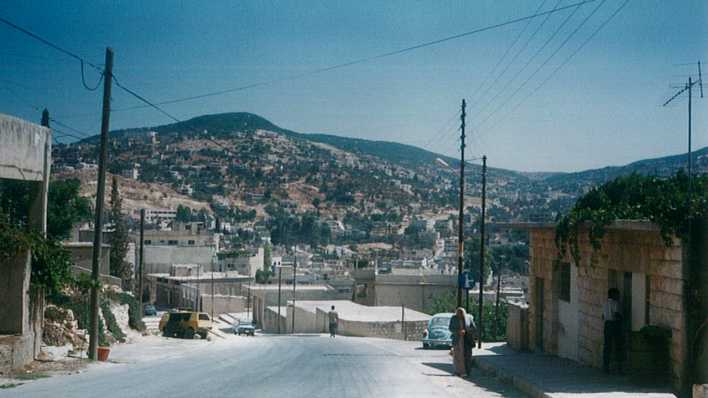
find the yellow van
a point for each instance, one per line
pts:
(185, 324)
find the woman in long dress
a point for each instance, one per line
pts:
(458, 328)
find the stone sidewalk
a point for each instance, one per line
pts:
(540, 375)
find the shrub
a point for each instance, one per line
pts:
(111, 322)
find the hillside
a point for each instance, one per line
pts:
(244, 162)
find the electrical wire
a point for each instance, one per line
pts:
(545, 62)
(365, 59)
(83, 79)
(570, 57)
(530, 60)
(484, 82)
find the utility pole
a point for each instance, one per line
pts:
(100, 193)
(280, 278)
(496, 308)
(481, 251)
(292, 328)
(403, 322)
(461, 217)
(691, 359)
(140, 264)
(199, 292)
(212, 288)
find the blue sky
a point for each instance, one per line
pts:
(602, 108)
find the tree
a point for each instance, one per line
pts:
(184, 214)
(119, 239)
(65, 208)
(267, 257)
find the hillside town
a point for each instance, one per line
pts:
(221, 253)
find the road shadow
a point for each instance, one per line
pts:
(477, 378)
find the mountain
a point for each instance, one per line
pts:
(243, 161)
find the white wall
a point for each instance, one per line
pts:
(639, 289)
(568, 319)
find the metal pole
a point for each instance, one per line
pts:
(481, 252)
(292, 328)
(100, 193)
(280, 275)
(140, 263)
(212, 288)
(461, 220)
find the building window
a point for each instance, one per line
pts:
(564, 293)
(190, 242)
(172, 242)
(148, 241)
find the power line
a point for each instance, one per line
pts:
(553, 54)
(503, 57)
(39, 109)
(50, 44)
(530, 60)
(365, 59)
(570, 57)
(143, 99)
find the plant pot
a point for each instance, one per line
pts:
(103, 353)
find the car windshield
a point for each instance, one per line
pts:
(439, 321)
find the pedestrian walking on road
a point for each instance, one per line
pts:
(612, 316)
(333, 319)
(462, 340)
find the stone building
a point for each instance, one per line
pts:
(566, 299)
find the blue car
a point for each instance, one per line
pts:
(245, 327)
(437, 334)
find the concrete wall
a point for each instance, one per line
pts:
(22, 149)
(415, 292)
(639, 251)
(517, 327)
(25, 154)
(408, 330)
(223, 304)
(158, 259)
(82, 256)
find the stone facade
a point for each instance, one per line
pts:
(628, 250)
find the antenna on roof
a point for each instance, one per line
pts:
(700, 78)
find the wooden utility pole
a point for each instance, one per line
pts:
(461, 217)
(140, 264)
(496, 307)
(280, 278)
(100, 193)
(482, 245)
(292, 328)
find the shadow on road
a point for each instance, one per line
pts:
(478, 378)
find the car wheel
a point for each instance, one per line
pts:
(426, 346)
(188, 334)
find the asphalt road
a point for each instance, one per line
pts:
(268, 366)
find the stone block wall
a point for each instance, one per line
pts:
(543, 254)
(636, 251)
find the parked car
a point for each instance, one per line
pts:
(437, 334)
(245, 327)
(185, 324)
(149, 310)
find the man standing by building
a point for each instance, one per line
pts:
(613, 331)
(333, 319)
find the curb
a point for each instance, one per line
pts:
(523, 385)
